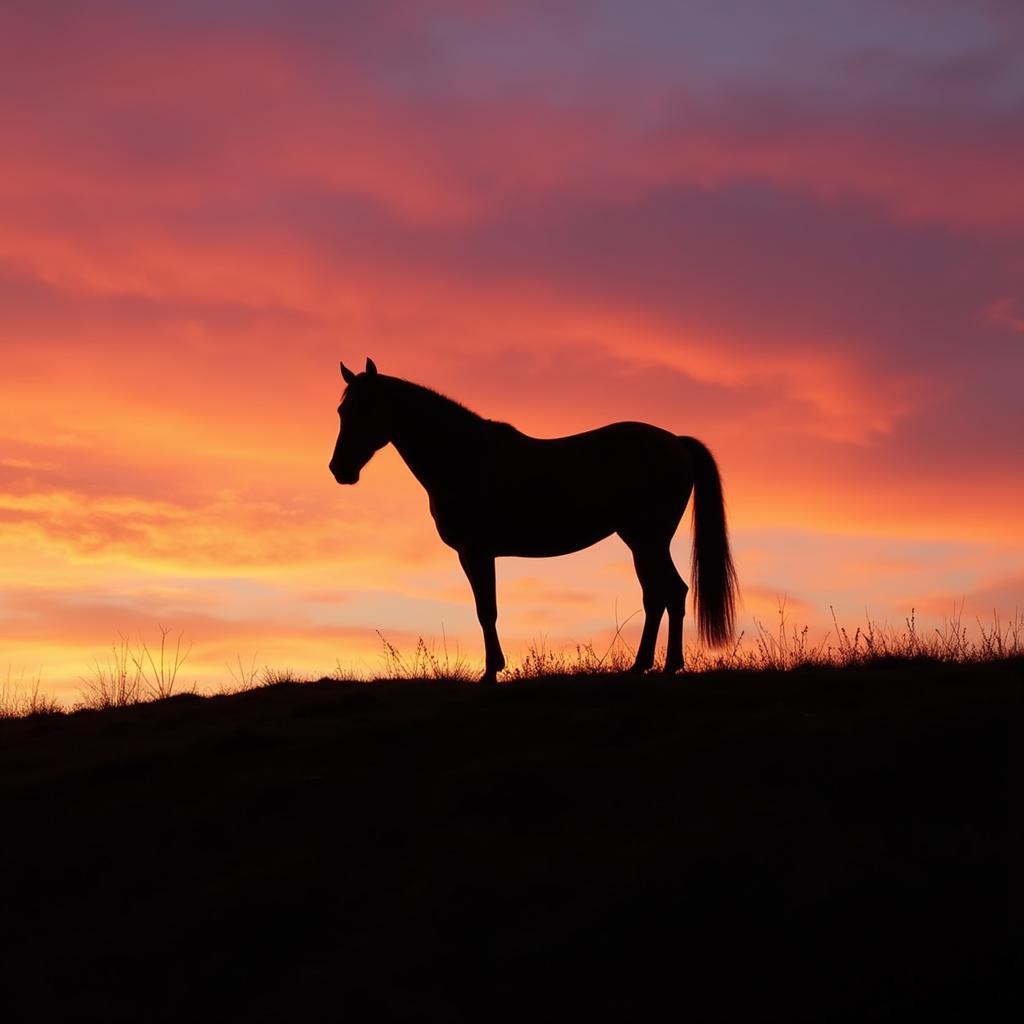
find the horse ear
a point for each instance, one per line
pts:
(371, 367)
(347, 374)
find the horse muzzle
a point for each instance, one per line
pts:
(345, 476)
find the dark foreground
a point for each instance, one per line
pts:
(820, 846)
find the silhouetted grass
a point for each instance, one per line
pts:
(134, 674)
(21, 698)
(248, 677)
(429, 660)
(788, 647)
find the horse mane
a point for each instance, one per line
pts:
(441, 409)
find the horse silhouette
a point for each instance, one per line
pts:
(496, 491)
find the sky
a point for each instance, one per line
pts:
(794, 230)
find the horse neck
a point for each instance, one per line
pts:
(430, 433)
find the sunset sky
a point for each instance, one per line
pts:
(794, 230)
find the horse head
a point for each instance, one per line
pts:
(363, 429)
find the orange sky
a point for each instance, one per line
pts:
(798, 236)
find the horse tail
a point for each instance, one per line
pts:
(712, 574)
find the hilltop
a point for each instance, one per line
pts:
(823, 844)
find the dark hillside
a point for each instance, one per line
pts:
(824, 845)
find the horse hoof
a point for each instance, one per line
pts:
(489, 679)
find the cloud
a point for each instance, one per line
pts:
(1001, 594)
(294, 104)
(1005, 313)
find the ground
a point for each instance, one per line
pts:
(819, 845)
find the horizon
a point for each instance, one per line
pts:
(794, 234)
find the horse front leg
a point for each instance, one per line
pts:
(479, 569)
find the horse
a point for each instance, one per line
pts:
(495, 491)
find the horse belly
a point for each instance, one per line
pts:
(524, 525)
(551, 524)
(545, 541)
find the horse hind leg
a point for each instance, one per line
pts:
(676, 591)
(654, 582)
